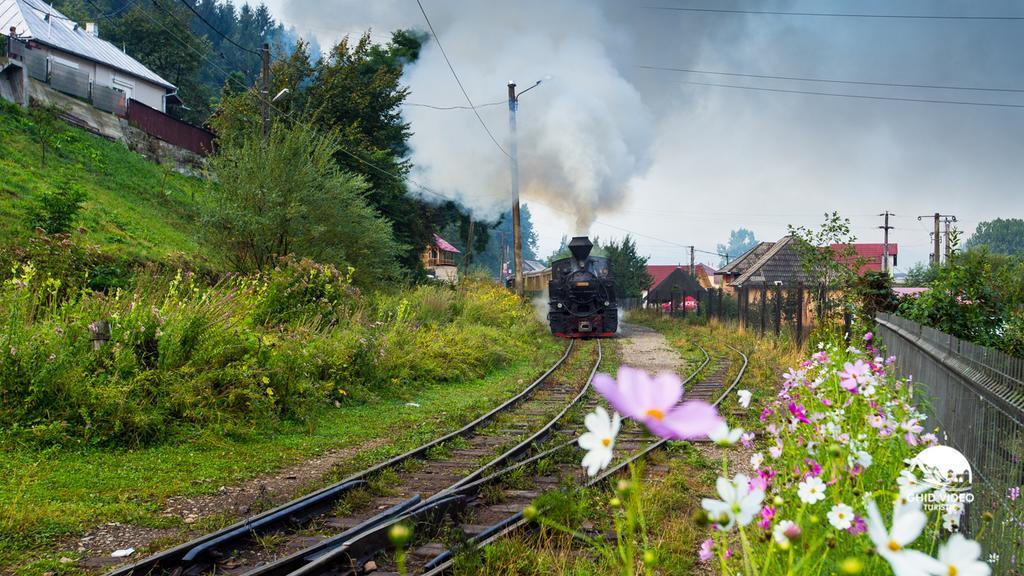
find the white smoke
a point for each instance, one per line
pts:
(584, 132)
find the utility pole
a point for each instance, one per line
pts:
(517, 240)
(885, 245)
(693, 271)
(937, 235)
(467, 259)
(265, 53)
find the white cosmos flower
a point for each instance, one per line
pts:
(724, 436)
(907, 523)
(756, 459)
(744, 396)
(599, 439)
(950, 523)
(962, 557)
(811, 490)
(910, 485)
(840, 516)
(738, 505)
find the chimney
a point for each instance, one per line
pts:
(91, 28)
(580, 247)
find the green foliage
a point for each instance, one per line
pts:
(249, 351)
(1000, 236)
(286, 195)
(740, 241)
(921, 274)
(628, 268)
(833, 268)
(873, 294)
(977, 296)
(58, 208)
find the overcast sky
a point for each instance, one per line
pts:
(606, 145)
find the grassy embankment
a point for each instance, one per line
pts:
(202, 385)
(669, 499)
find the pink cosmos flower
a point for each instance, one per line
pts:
(655, 402)
(813, 468)
(911, 429)
(766, 413)
(853, 375)
(747, 439)
(1014, 493)
(929, 439)
(820, 357)
(767, 514)
(798, 412)
(858, 526)
(706, 552)
(868, 336)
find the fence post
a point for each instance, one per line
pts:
(674, 295)
(741, 305)
(799, 313)
(764, 306)
(684, 304)
(721, 309)
(847, 325)
(778, 309)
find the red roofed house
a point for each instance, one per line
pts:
(869, 257)
(439, 260)
(666, 280)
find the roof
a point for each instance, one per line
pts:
(908, 291)
(28, 17)
(533, 266)
(869, 255)
(675, 283)
(660, 272)
(444, 245)
(746, 260)
(781, 263)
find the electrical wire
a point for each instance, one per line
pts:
(836, 15)
(457, 80)
(219, 33)
(855, 96)
(49, 11)
(829, 81)
(452, 107)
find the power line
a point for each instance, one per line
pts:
(857, 96)
(417, 104)
(457, 80)
(219, 33)
(49, 11)
(835, 14)
(829, 81)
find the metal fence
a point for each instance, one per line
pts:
(975, 395)
(70, 80)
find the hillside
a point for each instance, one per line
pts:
(133, 209)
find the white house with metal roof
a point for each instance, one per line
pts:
(75, 60)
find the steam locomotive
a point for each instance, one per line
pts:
(581, 298)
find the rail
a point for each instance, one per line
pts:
(315, 502)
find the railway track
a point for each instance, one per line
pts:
(420, 483)
(472, 514)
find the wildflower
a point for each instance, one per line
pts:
(857, 526)
(744, 398)
(747, 439)
(1013, 493)
(654, 401)
(868, 336)
(813, 468)
(784, 532)
(962, 557)
(738, 503)
(929, 439)
(599, 439)
(798, 412)
(950, 523)
(851, 565)
(756, 459)
(811, 490)
(270, 391)
(840, 516)
(853, 375)
(863, 458)
(907, 523)
(911, 429)
(706, 550)
(767, 513)
(724, 436)
(909, 484)
(775, 451)
(993, 558)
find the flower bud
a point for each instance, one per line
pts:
(623, 486)
(793, 532)
(986, 516)
(778, 501)
(400, 534)
(858, 492)
(830, 541)
(834, 451)
(615, 502)
(813, 518)
(851, 565)
(530, 513)
(700, 518)
(650, 558)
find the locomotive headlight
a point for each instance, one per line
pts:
(559, 304)
(607, 303)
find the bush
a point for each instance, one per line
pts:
(57, 209)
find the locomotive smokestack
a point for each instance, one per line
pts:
(580, 247)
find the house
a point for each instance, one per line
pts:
(677, 282)
(867, 257)
(439, 260)
(535, 276)
(735, 268)
(74, 60)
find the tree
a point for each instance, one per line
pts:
(829, 260)
(628, 268)
(740, 241)
(286, 195)
(1000, 236)
(921, 274)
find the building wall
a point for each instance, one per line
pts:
(150, 94)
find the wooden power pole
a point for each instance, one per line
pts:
(265, 53)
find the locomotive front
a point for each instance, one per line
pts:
(581, 296)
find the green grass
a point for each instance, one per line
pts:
(134, 209)
(45, 497)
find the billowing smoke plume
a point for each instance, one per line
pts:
(584, 132)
